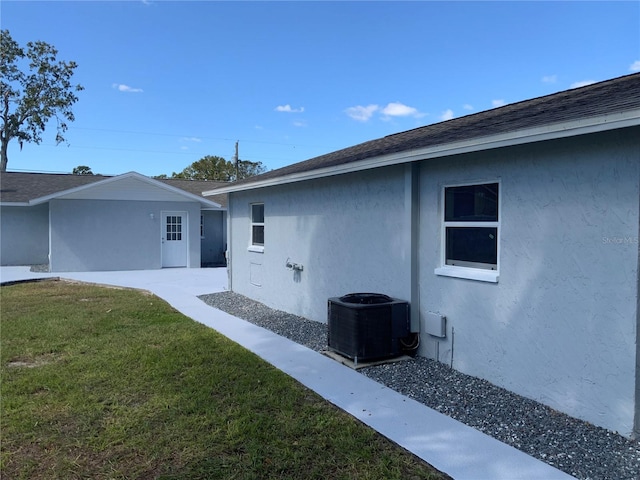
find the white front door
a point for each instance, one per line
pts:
(174, 239)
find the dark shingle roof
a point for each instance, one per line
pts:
(594, 100)
(197, 187)
(19, 187)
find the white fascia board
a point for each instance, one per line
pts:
(203, 201)
(554, 131)
(14, 204)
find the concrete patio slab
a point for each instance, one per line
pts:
(450, 446)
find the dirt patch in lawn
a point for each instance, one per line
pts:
(39, 361)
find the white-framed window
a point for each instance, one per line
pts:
(257, 227)
(471, 231)
(201, 226)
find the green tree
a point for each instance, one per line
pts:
(217, 168)
(33, 93)
(82, 170)
(247, 168)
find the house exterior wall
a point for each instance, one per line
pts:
(24, 235)
(99, 235)
(560, 325)
(213, 242)
(347, 232)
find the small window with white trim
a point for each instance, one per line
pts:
(257, 225)
(471, 231)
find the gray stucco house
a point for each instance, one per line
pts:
(518, 226)
(98, 223)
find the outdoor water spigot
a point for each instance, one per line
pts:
(293, 266)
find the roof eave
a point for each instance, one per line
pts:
(14, 204)
(554, 131)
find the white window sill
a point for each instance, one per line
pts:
(256, 248)
(468, 273)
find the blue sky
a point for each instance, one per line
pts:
(167, 83)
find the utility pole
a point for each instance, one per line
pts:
(236, 160)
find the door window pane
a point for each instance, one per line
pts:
(174, 228)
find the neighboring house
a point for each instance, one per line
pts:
(519, 225)
(97, 223)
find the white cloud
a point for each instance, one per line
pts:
(299, 123)
(447, 115)
(121, 87)
(583, 83)
(393, 109)
(360, 113)
(287, 108)
(191, 139)
(466, 106)
(635, 66)
(550, 79)
(396, 109)
(498, 103)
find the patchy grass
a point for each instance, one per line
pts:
(110, 383)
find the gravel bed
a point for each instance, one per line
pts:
(571, 445)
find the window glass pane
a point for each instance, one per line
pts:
(471, 203)
(257, 237)
(179, 236)
(178, 219)
(257, 213)
(472, 246)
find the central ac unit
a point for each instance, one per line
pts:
(367, 326)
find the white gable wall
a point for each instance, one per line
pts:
(128, 188)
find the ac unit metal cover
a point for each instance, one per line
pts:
(366, 326)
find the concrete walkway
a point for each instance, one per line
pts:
(450, 446)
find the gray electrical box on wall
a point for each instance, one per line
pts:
(436, 325)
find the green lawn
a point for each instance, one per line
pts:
(112, 383)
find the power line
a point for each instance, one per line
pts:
(262, 159)
(193, 136)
